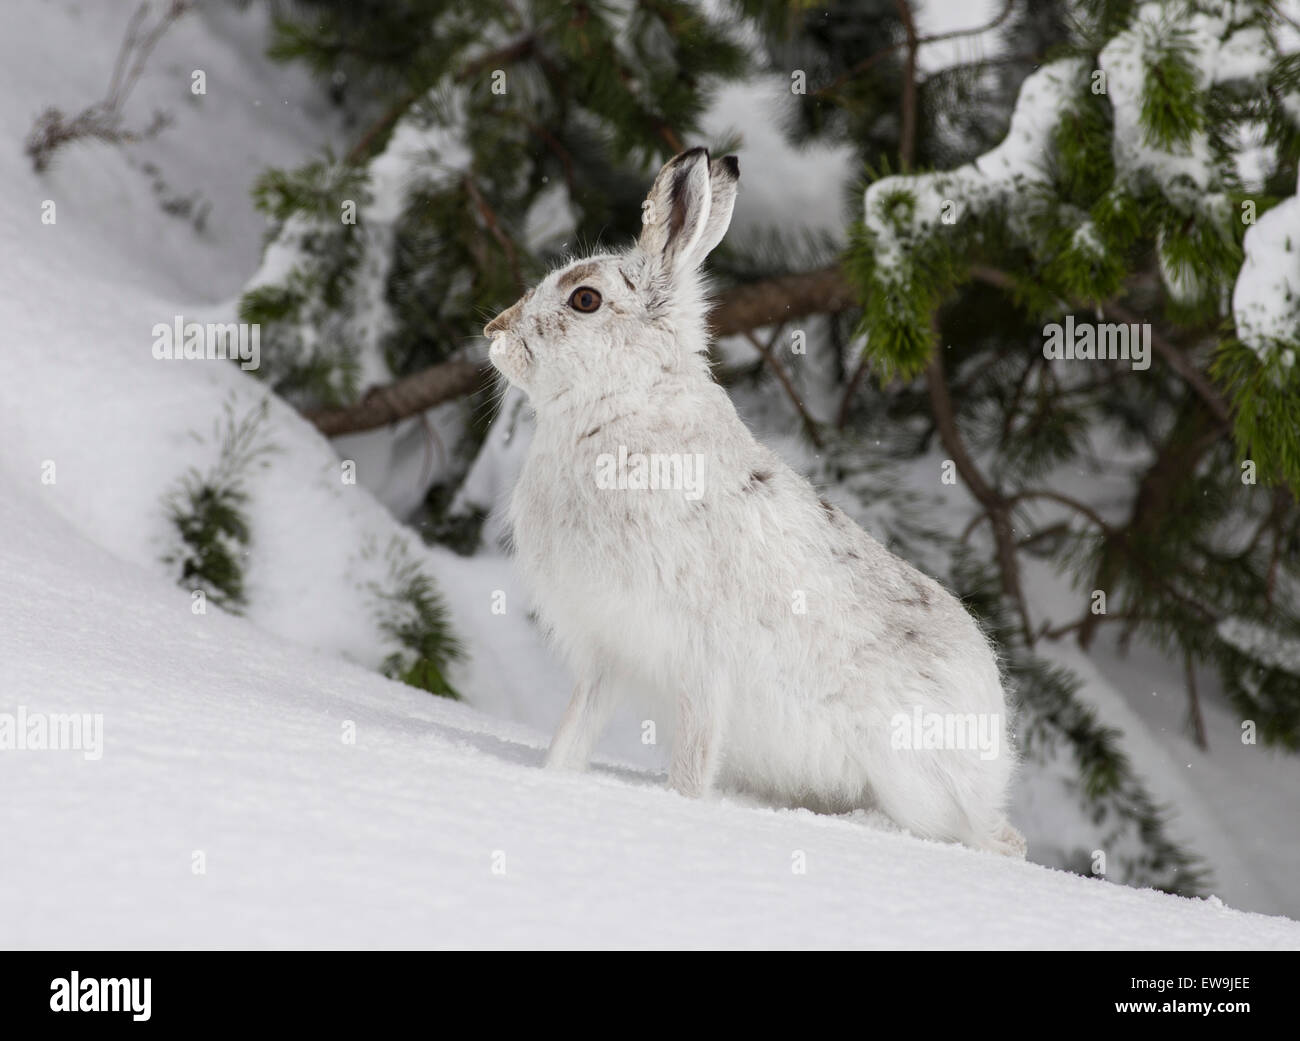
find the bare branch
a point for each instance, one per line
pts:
(1064, 500)
(408, 396)
(1194, 704)
(781, 299)
(494, 227)
(103, 119)
(738, 310)
(907, 133)
(1005, 13)
(851, 390)
(1178, 361)
(995, 504)
(784, 379)
(872, 59)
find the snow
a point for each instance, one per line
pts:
(1237, 801)
(435, 828)
(1266, 299)
(1187, 173)
(1124, 61)
(1260, 643)
(1008, 172)
(775, 177)
(402, 167)
(225, 735)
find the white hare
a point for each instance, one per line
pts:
(673, 556)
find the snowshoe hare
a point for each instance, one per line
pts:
(673, 556)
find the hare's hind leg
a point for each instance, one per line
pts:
(588, 711)
(697, 745)
(1004, 839)
(934, 800)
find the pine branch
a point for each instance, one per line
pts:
(738, 310)
(1173, 357)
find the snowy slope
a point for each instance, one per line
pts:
(225, 735)
(436, 828)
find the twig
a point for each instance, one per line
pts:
(507, 55)
(103, 120)
(1017, 395)
(977, 30)
(907, 133)
(1194, 704)
(872, 59)
(1064, 630)
(1177, 361)
(995, 505)
(1064, 500)
(784, 378)
(494, 227)
(1175, 358)
(851, 390)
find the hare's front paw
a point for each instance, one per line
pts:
(562, 757)
(687, 784)
(578, 731)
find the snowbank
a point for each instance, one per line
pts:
(226, 740)
(226, 749)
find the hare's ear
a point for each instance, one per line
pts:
(675, 215)
(724, 179)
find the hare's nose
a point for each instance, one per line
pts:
(507, 318)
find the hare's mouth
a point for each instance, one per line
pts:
(512, 357)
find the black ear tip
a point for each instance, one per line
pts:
(693, 153)
(732, 164)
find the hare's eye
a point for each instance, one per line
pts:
(584, 299)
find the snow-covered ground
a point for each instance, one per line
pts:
(435, 827)
(326, 805)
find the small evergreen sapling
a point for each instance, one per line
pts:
(208, 511)
(415, 622)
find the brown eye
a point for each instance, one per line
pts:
(584, 299)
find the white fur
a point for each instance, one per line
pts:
(691, 602)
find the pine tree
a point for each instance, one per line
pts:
(509, 134)
(1105, 188)
(1116, 197)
